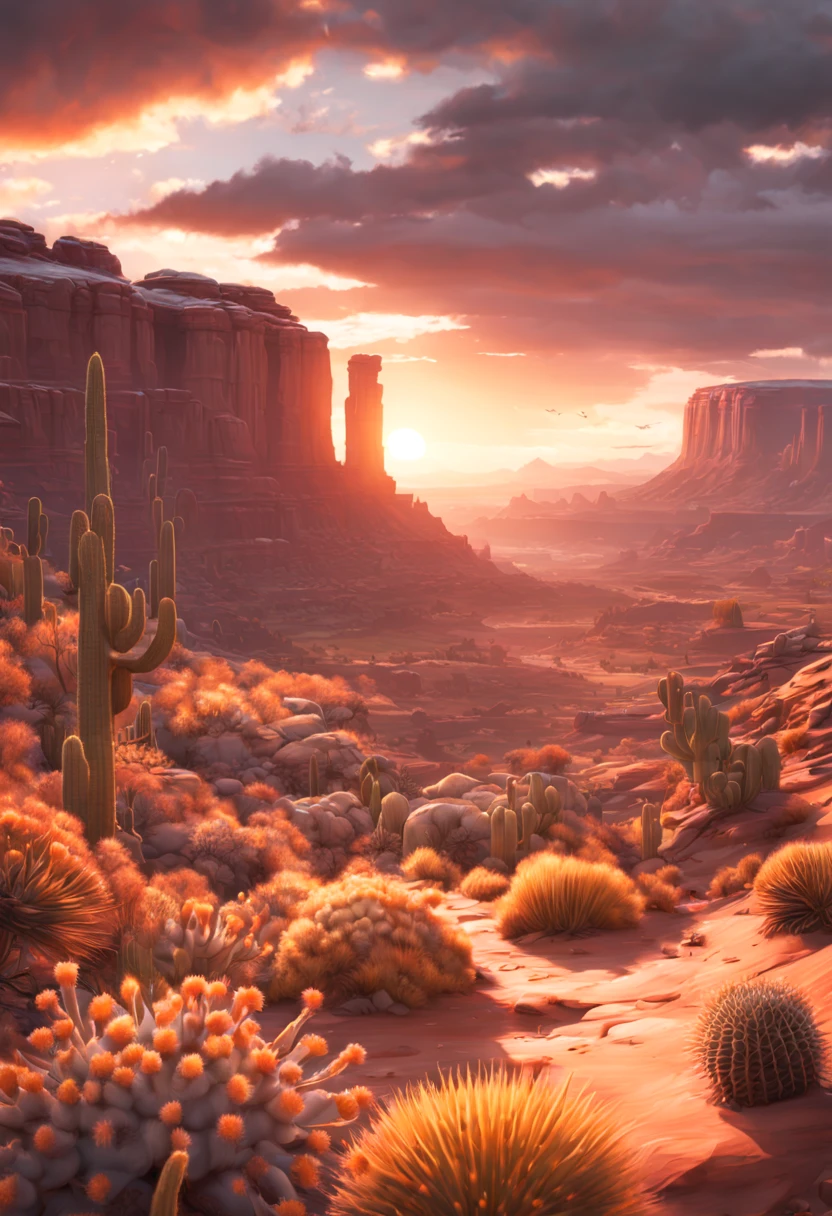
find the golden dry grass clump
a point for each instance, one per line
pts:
(484, 885)
(661, 890)
(426, 863)
(556, 894)
(731, 879)
(491, 1145)
(757, 1041)
(369, 933)
(794, 889)
(15, 681)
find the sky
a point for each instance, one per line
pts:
(534, 210)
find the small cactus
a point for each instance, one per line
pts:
(699, 734)
(758, 1042)
(314, 777)
(651, 830)
(394, 812)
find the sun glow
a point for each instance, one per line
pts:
(405, 444)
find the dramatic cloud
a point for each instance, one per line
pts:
(646, 173)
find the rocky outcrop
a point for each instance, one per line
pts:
(761, 443)
(364, 419)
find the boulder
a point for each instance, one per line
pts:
(455, 785)
(432, 824)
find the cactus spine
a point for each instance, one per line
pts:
(166, 1196)
(651, 830)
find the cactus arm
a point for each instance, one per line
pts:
(160, 646)
(167, 562)
(78, 526)
(32, 590)
(96, 464)
(33, 533)
(75, 777)
(132, 632)
(102, 521)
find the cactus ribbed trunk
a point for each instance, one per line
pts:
(95, 714)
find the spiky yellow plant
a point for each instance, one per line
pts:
(496, 1144)
(557, 894)
(794, 889)
(51, 900)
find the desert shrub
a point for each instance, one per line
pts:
(548, 759)
(757, 1042)
(368, 933)
(17, 743)
(184, 884)
(469, 1143)
(567, 895)
(267, 910)
(794, 740)
(660, 890)
(15, 681)
(731, 879)
(53, 900)
(743, 710)
(191, 1074)
(273, 686)
(484, 885)
(478, 766)
(426, 863)
(204, 940)
(794, 889)
(728, 614)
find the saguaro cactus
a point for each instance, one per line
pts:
(110, 625)
(37, 528)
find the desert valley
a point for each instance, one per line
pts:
(417, 781)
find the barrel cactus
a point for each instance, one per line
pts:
(758, 1042)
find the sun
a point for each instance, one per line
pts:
(405, 444)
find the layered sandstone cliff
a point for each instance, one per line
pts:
(227, 378)
(755, 444)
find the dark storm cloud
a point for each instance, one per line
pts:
(67, 66)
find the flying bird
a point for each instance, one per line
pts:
(646, 427)
(581, 414)
(558, 412)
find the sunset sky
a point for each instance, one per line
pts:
(522, 205)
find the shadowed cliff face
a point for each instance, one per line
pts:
(758, 444)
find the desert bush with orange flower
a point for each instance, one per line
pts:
(15, 681)
(555, 894)
(108, 1090)
(499, 1144)
(552, 758)
(205, 694)
(370, 933)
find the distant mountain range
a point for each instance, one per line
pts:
(540, 474)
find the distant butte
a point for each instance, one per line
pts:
(758, 444)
